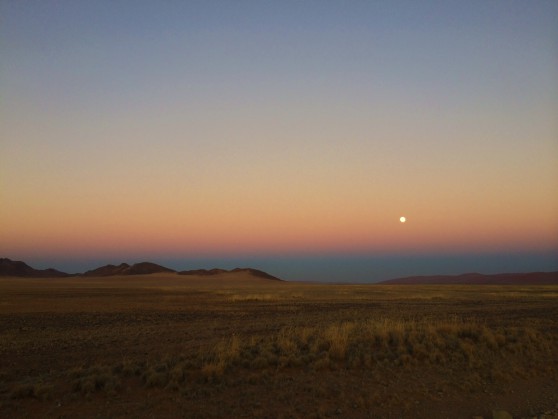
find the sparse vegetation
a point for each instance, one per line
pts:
(299, 350)
(367, 345)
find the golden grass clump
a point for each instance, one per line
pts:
(337, 336)
(223, 355)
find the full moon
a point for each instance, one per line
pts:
(402, 219)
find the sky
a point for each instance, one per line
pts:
(291, 135)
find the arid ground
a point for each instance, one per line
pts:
(233, 345)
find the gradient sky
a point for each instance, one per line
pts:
(279, 130)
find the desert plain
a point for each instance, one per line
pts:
(235, 345)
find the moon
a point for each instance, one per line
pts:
(402, 219)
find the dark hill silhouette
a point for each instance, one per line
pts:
(21, 269)
(216, 271)
(141, 268)
(531, 278)
(10, 267)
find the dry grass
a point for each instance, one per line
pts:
(385, 342)
(225, 354)
(381, 344)
(96, 378)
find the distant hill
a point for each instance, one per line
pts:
(10, 267)
(531, 278)
(216, 271)
(141, 268)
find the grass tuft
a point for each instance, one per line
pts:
(97, 378)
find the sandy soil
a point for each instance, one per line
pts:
(128, 335)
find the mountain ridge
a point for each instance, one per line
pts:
(10, 267)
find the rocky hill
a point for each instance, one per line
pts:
(10, 267)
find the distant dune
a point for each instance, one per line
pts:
(532, 278)
(215, 271)
(256, 272)
(204, 272)
(10, 267)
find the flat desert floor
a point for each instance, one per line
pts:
(237, 346)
